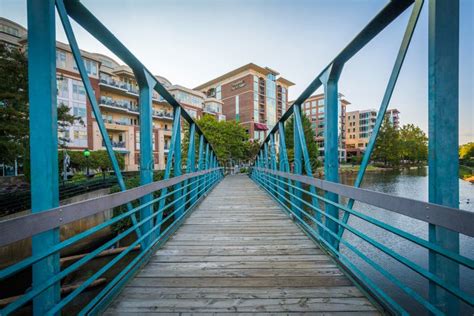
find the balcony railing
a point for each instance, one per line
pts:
(121, 104)
(116, 144)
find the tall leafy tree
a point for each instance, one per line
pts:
(387, 146)
(466, 151)
(13, 104)
(413, 144)
(309, 137)
(228, 138)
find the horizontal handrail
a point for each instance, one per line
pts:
(25, 226)
(451, 218)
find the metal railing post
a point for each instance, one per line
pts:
(331, 144)
(146, 84)
(190, 162)
(297, 161)
(43, 142)
(443, 129)
(177, 166)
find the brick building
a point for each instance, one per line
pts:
(253, 95)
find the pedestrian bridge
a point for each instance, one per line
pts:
(277, 241)
(239, 251)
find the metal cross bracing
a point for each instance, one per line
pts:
(165, 202)
(322, 214)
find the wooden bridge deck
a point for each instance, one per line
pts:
(239, 253)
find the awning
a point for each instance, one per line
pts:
(260, 126)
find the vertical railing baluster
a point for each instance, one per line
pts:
(331, 144)
(177, 169)
(169, 163)
(297, 162)
(284, 163)
(190, 163)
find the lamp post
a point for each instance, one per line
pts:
(86, 154)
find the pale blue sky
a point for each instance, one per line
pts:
(190, 42)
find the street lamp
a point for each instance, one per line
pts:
(86, 154)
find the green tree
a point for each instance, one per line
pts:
(99, 160)
(13, 104)
(466, 151)
(387, 146)
(228, 138)
(309, 135)
(413, 144)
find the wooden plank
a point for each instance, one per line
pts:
(298, 281)
(246, 305)
(240, 253)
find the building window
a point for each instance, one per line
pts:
(78, 91)
(218, 93)
(137, 140)
(321, 102)
(60, 59)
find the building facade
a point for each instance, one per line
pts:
(117, 95)
(313, 109)
(359, 127)
(252, 95)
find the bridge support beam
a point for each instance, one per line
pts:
(443, 130)
(146, 84)
(331, 144)
(297, 161)
(177, 164)
(43, 142)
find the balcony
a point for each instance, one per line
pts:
(118, 104)
(116, 145)
(162, 114)
(119, 85)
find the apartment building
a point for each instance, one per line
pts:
(360, 125)
(117, 95)
(255, 96)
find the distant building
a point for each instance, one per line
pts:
(11, 32)
(360, 125)
(252, 95)
(313, 109)
(117, 95)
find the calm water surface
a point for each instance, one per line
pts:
(411, 184)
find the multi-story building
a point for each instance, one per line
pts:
(360, 124)
(11, 32)
(117, 94)
(252, 95)
(119, 105)
(313, 109)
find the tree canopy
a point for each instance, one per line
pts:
(466, 151)
(228, 138)
(394, 146)
(14, 119)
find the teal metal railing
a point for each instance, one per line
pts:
(155, 209)
(319, 224)
(322, 214)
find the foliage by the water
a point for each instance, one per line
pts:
(229, 139)
(407, 145)
(309, 137)
(466, 152)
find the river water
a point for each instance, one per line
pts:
(410, 184)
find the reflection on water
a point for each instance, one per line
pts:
(411, 184)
